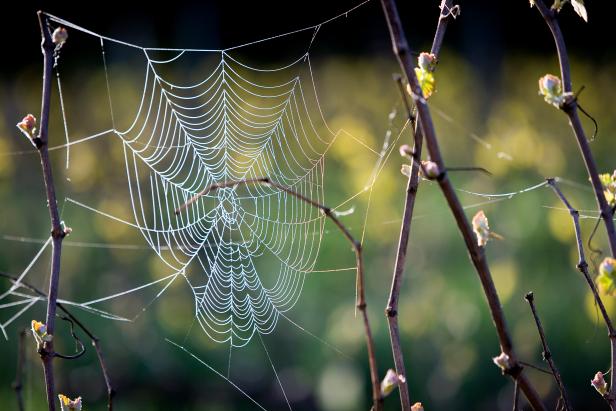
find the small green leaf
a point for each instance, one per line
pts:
(426, 81)
(609, 187)
(607, 277)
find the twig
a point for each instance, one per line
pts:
(535, 367)
(591, 118)
(401, 48)
(516, 396)
(470, 168)
(391, 310)
(547, 355)
(47, 352)
(571, 109)
(582, 267)
(93, 338)
(377, 398)
(82, 348)
(18, 383)
(110, 390)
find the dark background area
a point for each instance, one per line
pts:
(486, 32)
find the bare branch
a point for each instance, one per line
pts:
(47, 352)
(571, 109)
(582, 267)
(401, 50)
(547, 355)
(357, 248)
(391, 310)
(93, 338)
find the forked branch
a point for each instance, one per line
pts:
(582, 266)
(41, 141)
(357, 248)
(547, 354)
(571, 109)
(93, 338)
(391, 311)
(401, 50)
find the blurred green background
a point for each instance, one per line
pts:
(487, 113)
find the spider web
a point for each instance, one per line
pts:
(228, 128)
(234, 123)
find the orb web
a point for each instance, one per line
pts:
(232, 125)
(243, 250)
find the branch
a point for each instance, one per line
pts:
(93, 338)
(571, 109)
(47, 352)
(547, 355)
(391, 311)
(401, 50)
(377, 398)
(582, 267)
(18, 384)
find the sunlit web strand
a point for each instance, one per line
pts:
(128, 44)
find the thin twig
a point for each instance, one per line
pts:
(391, 310)
(47, 352)
(18, 383)
(110, 390)
(547, 355)
(401, 50)
(591, 118)
(571, 109)
(535, 367)
(516, 396)
(582, 267)
(82, 348)
(470, 168)
(377, 398)
(95, 341)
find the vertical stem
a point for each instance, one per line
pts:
(582, 267)
(18, 383)
(391, 310)
(46, 352)
(401, 50)
(571, 109)
(547, 355)
(101, 361)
